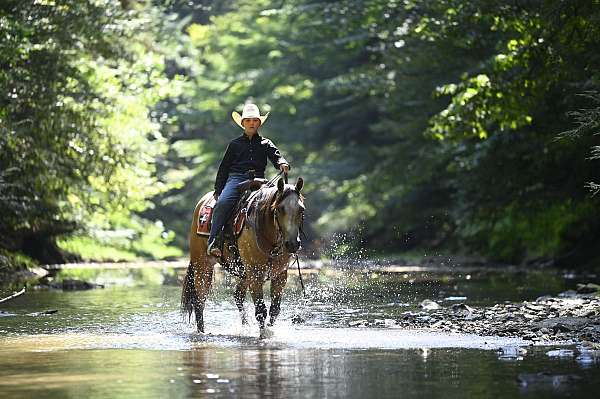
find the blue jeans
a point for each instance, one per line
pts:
(225, 204)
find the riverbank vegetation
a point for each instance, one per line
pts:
(80, 123)
(419, 126)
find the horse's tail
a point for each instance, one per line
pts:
(188, 294)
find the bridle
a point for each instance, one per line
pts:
(278, 246)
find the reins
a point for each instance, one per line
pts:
(299, 274)
(271, 182)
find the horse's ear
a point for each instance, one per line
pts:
(280, 186)
(299, 184)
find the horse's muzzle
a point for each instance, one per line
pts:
(292, 246)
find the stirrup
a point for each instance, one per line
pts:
(213, 250)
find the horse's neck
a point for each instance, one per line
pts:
(269, 230)
(266, 230)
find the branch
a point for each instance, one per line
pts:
(13, 296)
(595, 188)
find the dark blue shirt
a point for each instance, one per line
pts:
(244, 154)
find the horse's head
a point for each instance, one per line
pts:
(289, 213)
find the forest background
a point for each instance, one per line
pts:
(420, 127)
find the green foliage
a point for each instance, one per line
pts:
(93, 249)
(429, 123)
(415, 124)
(588, 123)
(78, 137)
(11, 261)
(142, 240)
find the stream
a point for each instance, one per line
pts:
(129, 339)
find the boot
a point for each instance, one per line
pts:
(213, 249)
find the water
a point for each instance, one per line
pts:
(129, 340)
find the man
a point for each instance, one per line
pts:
(245, 158)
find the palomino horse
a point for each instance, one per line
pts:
(269, 238)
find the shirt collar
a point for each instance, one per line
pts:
(254, 138)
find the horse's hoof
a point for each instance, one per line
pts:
(266, 333)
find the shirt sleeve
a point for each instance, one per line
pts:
(274, 154)
(223, 172)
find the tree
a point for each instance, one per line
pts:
(78, 141)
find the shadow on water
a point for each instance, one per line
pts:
(129, 339)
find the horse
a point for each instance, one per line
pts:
(270, 237)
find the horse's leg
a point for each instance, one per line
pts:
(277, 284)
(202, 283)
(239, 296)
(260, 309)
(199, 277)
(188, 293)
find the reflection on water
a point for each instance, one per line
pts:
(285, 372)
(130, 341)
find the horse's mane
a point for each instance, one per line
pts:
(267, 199)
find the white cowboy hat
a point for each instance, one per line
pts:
(249, 111)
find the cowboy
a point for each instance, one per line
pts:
(245, 158)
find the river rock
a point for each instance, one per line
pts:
(298, 319)
(563, 323)
(563, 353)
(456, 298)
(30, 274)
(568, 294)
(588, 288)
(547, 320)
(534, 308)
(460, 309)
(425, 319)
(6, 314)
(78, 285)
(389, 322)
(511, 353)
(384, 322)
(428, 304)
(358, 323)
(44, 313)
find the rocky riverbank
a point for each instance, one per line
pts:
(571, 317)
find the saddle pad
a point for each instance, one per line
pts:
(204, 217)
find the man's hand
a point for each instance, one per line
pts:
(285, 168)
